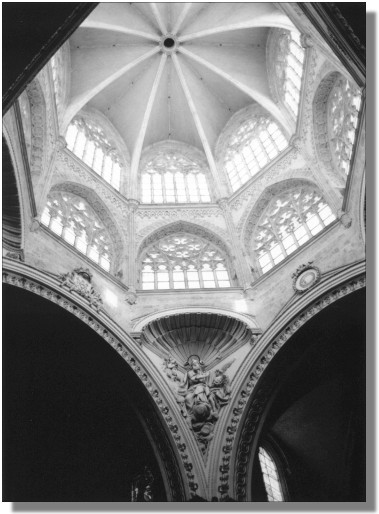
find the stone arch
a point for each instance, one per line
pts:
(191, 228)
(102, 212)
(185, 226)
(12, 213)
(245, 416)
(176, 465)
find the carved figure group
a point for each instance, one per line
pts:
(203, 394)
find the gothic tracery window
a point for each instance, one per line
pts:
(270, 476)
(343, 109)
(252, 146)
(289, 220)
(89, 142)
(73, 219)
(184, 261)
(289, 68)
(173, 178)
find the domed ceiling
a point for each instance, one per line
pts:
(172, 71)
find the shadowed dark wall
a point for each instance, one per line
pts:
(318, 416)
(69, 430)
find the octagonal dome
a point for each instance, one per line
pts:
(172, 71)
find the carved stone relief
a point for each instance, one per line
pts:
(80, 281)
(305, 277)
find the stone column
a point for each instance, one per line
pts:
(243, 271)
(132, 265)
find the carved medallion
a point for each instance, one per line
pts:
(305, 277)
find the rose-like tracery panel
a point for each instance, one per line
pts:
(184, 261)
(70, 217)
(288, 221)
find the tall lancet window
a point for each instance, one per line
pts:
(270, 476)
(343, 108)
(184, 261)
(256, 142)
(289, 220)
(173, 178)
(88, 141)
(70, 217)
(289, 65)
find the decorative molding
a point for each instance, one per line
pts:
(66, 301)
(179, 212)
(80, 281)
(152, 227)
(248, 319)
(305, 277)
(244, 448)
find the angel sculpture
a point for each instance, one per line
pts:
(170, 367)
(220, 387)
(203, 397)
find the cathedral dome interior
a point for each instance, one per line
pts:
(184, 187)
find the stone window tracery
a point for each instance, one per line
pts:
(88, 141)
(289, 65)
(184, 261)
(343, 109)
(256, 142)
(73, 219)
(173, 178)
(289, 220)
(270, 476)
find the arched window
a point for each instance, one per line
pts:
(173, 178)
(289, 220)
(256, 142)
(289, 68)
(270, 476)
(70, 217)
(88, 142)
(184, 261)
(343, 108)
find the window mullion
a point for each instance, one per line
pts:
(186, 187)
